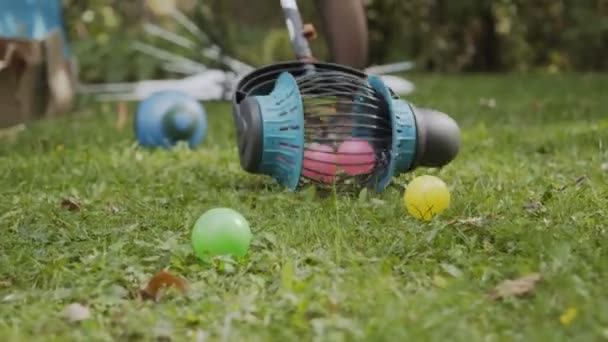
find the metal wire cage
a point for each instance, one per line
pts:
(322, 124)
(348, 131)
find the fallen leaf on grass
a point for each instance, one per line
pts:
(76, 312)
(515, 288)
(160, 282)
(70, 204)
(605, 167)
(5, 283)
(568, 316)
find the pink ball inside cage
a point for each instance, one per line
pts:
(319, 163)
(356, 157)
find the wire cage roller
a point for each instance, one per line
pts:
(330, 125)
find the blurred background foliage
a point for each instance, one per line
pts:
(492, 35)
(439, 35)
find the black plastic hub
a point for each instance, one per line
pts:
(249, 131)
(438, 138)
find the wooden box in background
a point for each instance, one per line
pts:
(36, 74)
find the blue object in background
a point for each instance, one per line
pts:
(32, 19)
(168, 117)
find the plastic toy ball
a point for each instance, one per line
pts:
(319, 163)
(356, 157)
(168, 117)
(426, 197)
(221, 231)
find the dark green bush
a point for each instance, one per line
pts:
(491, 34)
(441, 35)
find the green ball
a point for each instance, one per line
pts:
(221, 231)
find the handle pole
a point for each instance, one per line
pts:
(295, 26)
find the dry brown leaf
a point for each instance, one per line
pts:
(70, 204)
(515, 288)
(76, 312)
(161, 281)
(5, 283)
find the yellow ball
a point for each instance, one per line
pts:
(426, 197)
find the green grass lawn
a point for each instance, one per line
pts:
(529, 195)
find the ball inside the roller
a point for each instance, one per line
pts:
(426, 196)
(356, 157)
(221, 231)
(319, 163)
